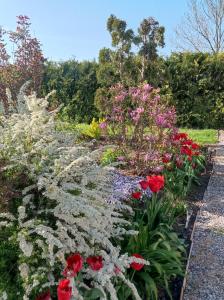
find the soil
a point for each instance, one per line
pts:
(194, 201)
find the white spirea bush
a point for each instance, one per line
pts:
(65, 210)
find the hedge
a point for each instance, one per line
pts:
(197, 87)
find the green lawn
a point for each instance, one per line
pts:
(202, 136)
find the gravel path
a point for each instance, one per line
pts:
(205, 279)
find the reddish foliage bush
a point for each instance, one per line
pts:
(142, 125)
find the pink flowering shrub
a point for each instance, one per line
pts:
(142, 125)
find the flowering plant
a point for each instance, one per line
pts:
(157, 241)
(141, 124)
(63, 218)
(64, 290)
(183, 165)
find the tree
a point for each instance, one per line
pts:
(122, 39)
(81, 107)
(75, 85)
(122, 64)
(203, 27)
(23, 64)
(61, 77)
(150, 37)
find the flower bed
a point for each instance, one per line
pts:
(74, 235)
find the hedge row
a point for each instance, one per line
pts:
(194, 82)
(197, 87)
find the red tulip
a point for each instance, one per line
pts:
(44, 296)
(180, 136)
(166, 158)
(74, 265)
(186, 150)
(137, 266)
(64, 290)
(187, 142)
(144, 184)
(136, 195)
(156, 182)
(95, 262)
(195, 146)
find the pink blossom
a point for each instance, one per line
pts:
(147, 87)
(144, 97)
(121, 158)
(161, 121)
(120, 97)
(103, 125)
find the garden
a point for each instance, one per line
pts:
(99, 166)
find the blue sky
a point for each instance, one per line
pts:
(77, 28)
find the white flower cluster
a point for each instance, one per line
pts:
(65, 210)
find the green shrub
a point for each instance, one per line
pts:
(109, 156)
(91, 130)
(196, 82)
(75, 84)
(9, 256)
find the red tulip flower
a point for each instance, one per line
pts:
(180, 136)
(136, 195)
(95, 262)
(74, 265)
(186, 150)
(44, 296)
(156, 182)
(195, 146)
(187, 143)
(64, 290)
(137, 266)
(144, 184)
(166, 158)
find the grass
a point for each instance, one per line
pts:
(202, 136)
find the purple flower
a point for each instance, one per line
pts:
(147, 87)
(161, 121)
(103, 125)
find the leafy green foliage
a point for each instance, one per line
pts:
(180, 179)
(150, 37)
(9, 274)
(158, 243)
(91, 130)
(75, 84)
(196, 82)
(109, 156)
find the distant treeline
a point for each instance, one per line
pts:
(192, 82)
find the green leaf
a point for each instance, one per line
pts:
(93, 294)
